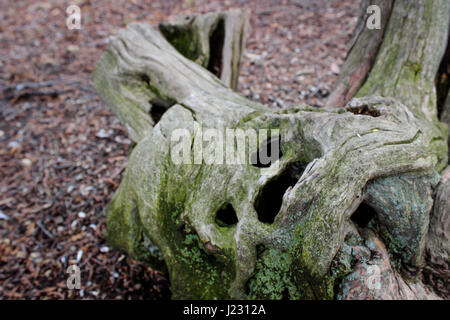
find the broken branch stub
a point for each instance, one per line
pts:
(216, 41)
(205, 222)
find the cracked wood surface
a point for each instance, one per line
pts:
(166, 212)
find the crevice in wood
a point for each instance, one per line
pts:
(158, 108)
(363, 215)
(216, 41)
(158, 105)
(226, 216)
(365, 110)
(270, 198)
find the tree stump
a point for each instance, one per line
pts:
(341, 211)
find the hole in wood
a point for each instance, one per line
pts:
(158, 105)
(216, 41)
(364, 110)
(443, 81)
(269, 200)
(363, 215)
(145, 78)
(226, 216)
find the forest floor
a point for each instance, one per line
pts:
(62, 151)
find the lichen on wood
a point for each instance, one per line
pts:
(166, 213)
(214, 40)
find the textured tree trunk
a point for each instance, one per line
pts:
(405, 68)
(343, 212)
(363, 49)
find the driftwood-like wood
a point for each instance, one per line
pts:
(376, 153)
(361, 55)
(215, 41)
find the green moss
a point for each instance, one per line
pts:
(196, 274)
(273, 277)
(186, 41)
(378, 82)
(125, 231)
(310, 285)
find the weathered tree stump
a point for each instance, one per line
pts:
(342, 212)
(361, 55)
(215, 41)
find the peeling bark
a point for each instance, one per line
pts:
(374, 278)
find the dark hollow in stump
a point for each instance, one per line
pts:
(215, 41)
(353, 220)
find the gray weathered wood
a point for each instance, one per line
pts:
(215, 41)
(367, 152)
(405, 68)
(361, 56)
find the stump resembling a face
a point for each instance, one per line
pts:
(255, 229)
(237, 217)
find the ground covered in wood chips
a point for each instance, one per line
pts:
(62, 151)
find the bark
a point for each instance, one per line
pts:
(376, 153)
(410, 55)
(438, 244)
(363, 49)
(405, 68)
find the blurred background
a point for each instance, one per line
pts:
(62, 151)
